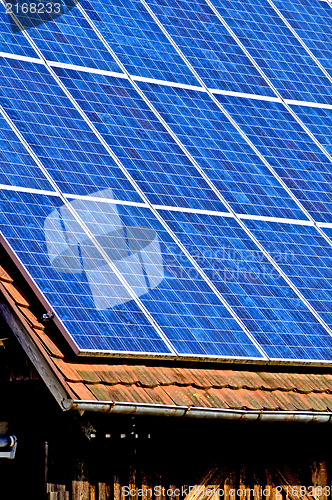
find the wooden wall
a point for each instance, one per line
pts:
(177, 460)
(65, 456)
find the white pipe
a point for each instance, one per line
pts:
(124, 408)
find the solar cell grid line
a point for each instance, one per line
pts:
(138, 139)
(99, 251)
(136, 40)
(273, 87)
(314, 312)
(113, 156)
(46, 241)
(311, 267)
(36, 103)
(207, 45)
(277, 319)
(224, 155)
(276, 49)
(13, 43)
(213, 97)
(17, 168)
(287, 147)
(69, 39)
(304, 40)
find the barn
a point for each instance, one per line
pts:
(166, 250)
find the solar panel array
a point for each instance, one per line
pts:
(166, 175)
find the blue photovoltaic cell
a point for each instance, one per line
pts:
(276, 50)
(209, 47)
(309, 265)
(278, 320)
(312, 20)
(137, 40)
(140, 141)
(181, 302)
(226, 158)
(17, 168)
(13, 43)
(63, 141)
(73, 277)
(91, 283)
(319, 122)
(289, 150)
(70, 39)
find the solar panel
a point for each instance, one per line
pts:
(137, 41)
(271, 310)
(289, 149)
(222, 152)
(208, 46)
(58, 134)
(309, 267)
(71, 40)
(13, 43)
(140, 141)
(43, 239)
(312, 22)
(276, 50)
(87, 294)
(162, 214)
(17, 168)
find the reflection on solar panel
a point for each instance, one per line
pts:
(157, 192)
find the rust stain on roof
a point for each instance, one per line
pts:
(200, 385)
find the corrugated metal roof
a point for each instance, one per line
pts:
(201, 385)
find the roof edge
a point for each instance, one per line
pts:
(125, 408)
(40, 361)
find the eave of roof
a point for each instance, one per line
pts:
(156, 388)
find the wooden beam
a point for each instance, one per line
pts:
(33, 353)
(209, 482)
(319, 480)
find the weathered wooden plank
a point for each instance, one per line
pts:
(210, 481)
(230, 487)
(104, 491)
(257, 486)
(319, 480)
(80, 490)
(116, 487)
(58, 495)
(289, 482)
(242, 484)
(52, 487)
